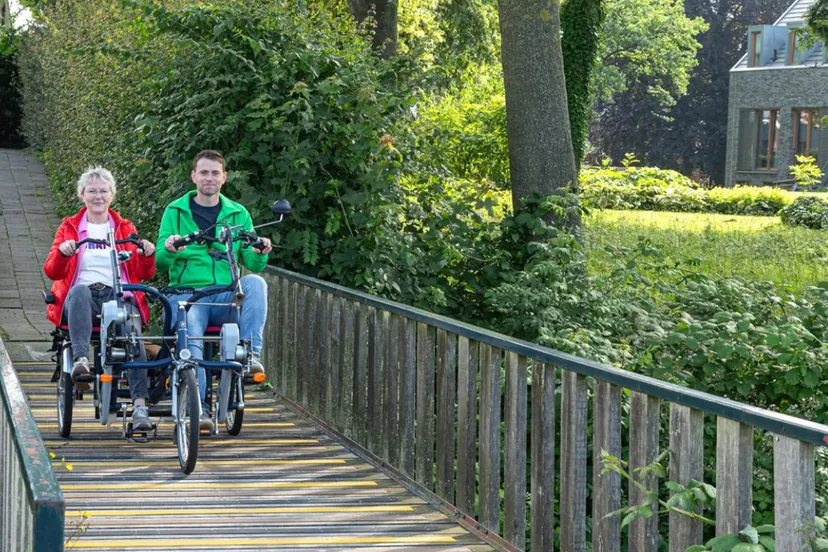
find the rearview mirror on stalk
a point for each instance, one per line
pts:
(281, 208)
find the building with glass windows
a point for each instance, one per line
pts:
(778, 94)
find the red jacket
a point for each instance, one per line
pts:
(62, 269)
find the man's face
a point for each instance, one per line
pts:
(208, 176)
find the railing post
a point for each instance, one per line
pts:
(425, 406)
(573, 462)
(644, 426)
(793, 489)
(606, 531)
(466, 423)
(446, 412)
(490, 438)
(734, 476)
(348, 339)
(543, 458)
(686, 464)
(408, 397)
(333, 405)
(393, 354)
(514, 483)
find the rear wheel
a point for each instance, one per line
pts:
(235, 417)
(65, 394)
(186, 429)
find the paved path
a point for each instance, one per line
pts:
(27, 227)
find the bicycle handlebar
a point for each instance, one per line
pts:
(132, 238)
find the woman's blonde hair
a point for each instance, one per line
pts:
(96, 173)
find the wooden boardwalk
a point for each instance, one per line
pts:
(282, 484)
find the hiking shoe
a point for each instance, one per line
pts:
(140, 419)
(80, 368)
(256, 366)
(205, 422)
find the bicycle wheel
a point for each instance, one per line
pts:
(186, 428)
(65, 394)
(235, 416)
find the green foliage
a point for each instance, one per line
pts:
(10, 136)
(581, 24)
(808, 211)
(805, 171)
(462, 132)
(655, 189)
(650, 41)
(817, 19)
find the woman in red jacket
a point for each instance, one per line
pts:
(83, 278)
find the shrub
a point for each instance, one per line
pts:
(646, 188)
(10, 136)
(654, 189)
(808, 211)
(748, 200)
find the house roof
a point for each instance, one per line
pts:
(795, 13)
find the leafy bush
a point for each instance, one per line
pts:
(10, 136)
(645, 188)
(748, 200)
(655, 189)
(808, 211)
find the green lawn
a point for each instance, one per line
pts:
(757, 248)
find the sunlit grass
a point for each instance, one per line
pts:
(756, 248)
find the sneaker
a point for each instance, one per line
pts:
(140, 419)
(256, 367)
(80, 368)
(205, 422)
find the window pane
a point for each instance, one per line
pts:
(765, 136)
(746, 146)
(816, 133)
(757, 48)
(774, 138)
(802, 118)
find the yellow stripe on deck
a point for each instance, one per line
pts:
(117, 426)
(177, 544)
(81, 404)
(175, 485)
(230, 462)
(207, 443)
(238, 511)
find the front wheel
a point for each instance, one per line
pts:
(235, 417)
(186, 429)
(65, 394)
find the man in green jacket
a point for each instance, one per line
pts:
(191, 267)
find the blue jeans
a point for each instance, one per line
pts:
(251, 324)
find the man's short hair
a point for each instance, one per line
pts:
(212, 155)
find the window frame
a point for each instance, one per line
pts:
(753, 58)
(813, 116)
(772, 147)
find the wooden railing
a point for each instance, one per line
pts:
(422, 394)
(31, 504)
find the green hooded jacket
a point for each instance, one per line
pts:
(193, 267)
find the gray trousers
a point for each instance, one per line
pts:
(81, 311)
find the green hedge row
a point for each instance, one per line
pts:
(10, 136)
(653, 189)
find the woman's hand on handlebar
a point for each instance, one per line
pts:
(147, 247)
(68, 248)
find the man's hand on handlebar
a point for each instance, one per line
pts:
(266, 248)
(169, 244)
(68, 248)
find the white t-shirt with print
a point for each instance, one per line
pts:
(96, 265)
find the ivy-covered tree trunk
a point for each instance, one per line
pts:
(581, 22)
(537, 121)
(383, 15)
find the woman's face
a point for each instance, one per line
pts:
(97, 196)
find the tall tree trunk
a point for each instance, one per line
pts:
(537, 121)
(581, 21)
(383, 16)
